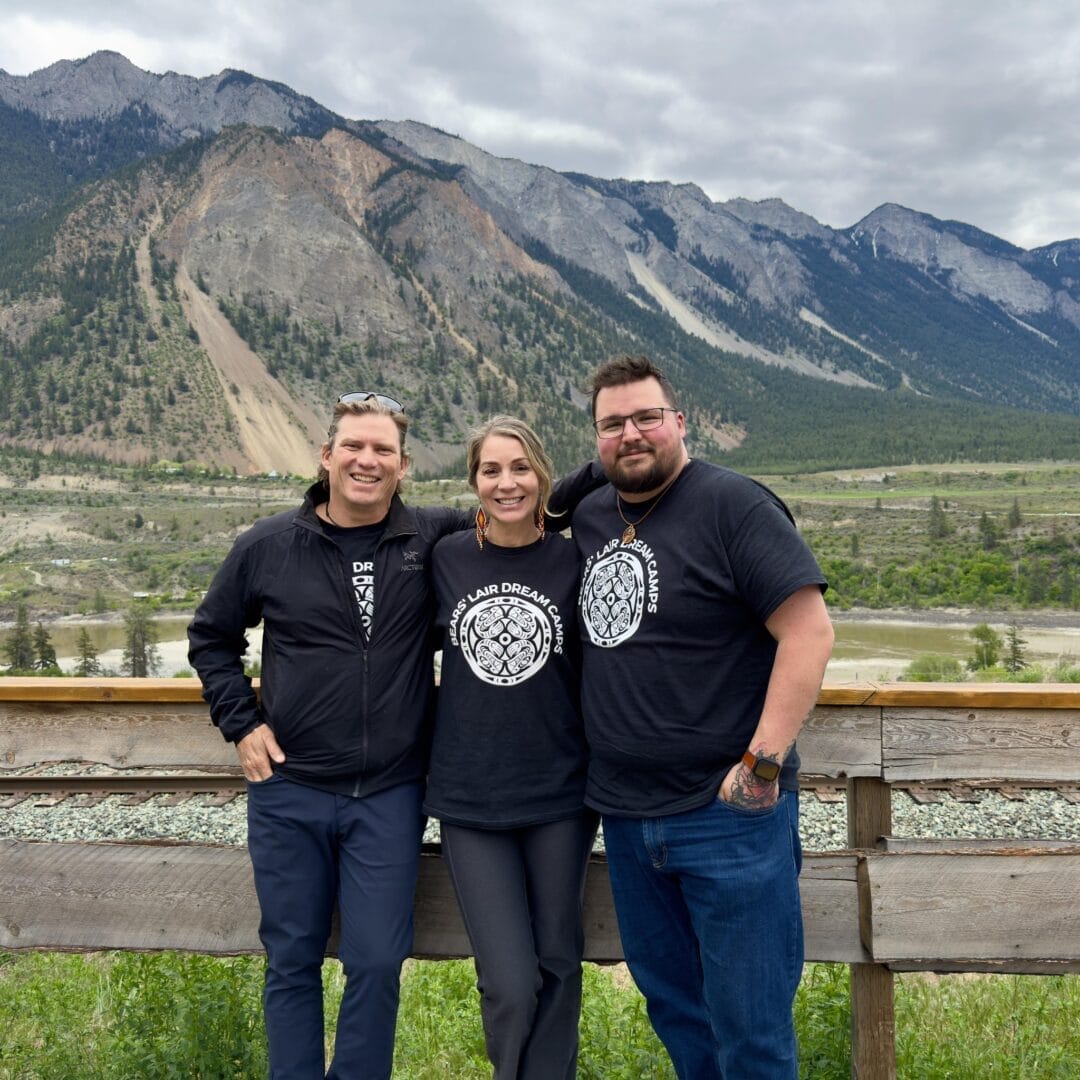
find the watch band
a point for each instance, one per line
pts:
(764, 768)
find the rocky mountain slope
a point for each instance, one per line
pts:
(191, 269)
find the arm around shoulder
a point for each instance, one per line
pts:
(571, 489)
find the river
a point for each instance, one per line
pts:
(867, 649)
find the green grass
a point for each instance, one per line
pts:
(130, 1016)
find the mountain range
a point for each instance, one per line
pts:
(191, 269)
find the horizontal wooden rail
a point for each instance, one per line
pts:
(1001, 910)
(950, 695)
(201, 898)
(894, 732)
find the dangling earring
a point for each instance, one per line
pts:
(540, 520)
(481, 528)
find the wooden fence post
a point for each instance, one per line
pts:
(873, 1022)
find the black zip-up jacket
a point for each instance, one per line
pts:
(346, 710)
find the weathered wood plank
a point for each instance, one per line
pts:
(873, 1019)
(980, 744)
(973, 695)
(835, 742)
(1000, 967)
(966, 845)
(126, 734)
(873, 1023)
(946, 695)
(36, 688)
(869, 811)
(841, 741)
(69, 896)
(973, 907)
(828, 886)
(201, 898)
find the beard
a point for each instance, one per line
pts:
(637, 481)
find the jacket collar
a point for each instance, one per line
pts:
(400, 521)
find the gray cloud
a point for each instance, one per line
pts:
(963, 110)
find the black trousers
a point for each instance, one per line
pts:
(520, 892)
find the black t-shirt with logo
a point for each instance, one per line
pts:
(675, 655)
(509, 745)
(358, 545)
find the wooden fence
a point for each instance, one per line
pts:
(882, 905)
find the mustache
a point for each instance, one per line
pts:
(633, 448)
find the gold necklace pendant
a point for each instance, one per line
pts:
(630, 532)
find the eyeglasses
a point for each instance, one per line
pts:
(366, 395)
(610, 427)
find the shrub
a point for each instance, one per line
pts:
(933, 667)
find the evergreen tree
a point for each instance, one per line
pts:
(141, 658)
(88, 656)
(44, 652)
(939, 523)
(1015, 656)
(1014, 520)
(987, 532)
(19, 646)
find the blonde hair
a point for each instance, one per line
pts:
(360, 408)
(512, 428)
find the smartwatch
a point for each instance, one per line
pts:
(764, 768)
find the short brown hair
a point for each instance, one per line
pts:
(629, 369)
(361, 408)
(512, 428)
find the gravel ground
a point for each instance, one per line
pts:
(1040, 814)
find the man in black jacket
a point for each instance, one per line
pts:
(334, 750)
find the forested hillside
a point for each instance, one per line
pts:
(203, 299)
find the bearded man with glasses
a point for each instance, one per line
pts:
(705, 638)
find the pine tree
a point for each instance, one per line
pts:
(88, 656)
(1015, 656)
(19, 646)
(141, 658)
(44, 652)
(939, 525)
(1014, 520)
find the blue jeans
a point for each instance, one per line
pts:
(711, 926)
(310, 850)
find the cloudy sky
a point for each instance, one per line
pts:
(966, 109)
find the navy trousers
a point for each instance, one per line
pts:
(311, 850)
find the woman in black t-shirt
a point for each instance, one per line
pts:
(508, 762)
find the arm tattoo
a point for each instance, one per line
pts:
(750, 791)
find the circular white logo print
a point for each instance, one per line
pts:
(613, 599)
(505, 639)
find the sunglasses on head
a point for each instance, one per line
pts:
(366, 395)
